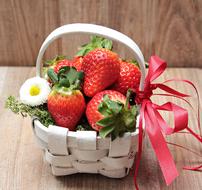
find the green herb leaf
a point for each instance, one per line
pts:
(41, 112)
(80, 128)
(83, 125)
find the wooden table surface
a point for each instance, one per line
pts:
(22, 166)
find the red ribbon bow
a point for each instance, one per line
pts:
(155, 125)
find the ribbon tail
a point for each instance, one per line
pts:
(198, 102)
(191, 168)
(198, 137)
(197, 168)
(159, 145)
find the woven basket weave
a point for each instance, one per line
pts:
(70, 152)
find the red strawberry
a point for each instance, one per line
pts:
(129, 77)
(77, 62)
(101, 68)
(66, 103)
(67, 109)
(109, 112)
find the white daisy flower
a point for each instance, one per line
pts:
(34, 91)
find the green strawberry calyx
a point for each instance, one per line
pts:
(96, 42)
(51, 63)
(66, 80)
(118, 117)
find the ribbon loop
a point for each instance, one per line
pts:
(146, 94)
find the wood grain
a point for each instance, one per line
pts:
(171, 29)
(24, 26)
(22, 166)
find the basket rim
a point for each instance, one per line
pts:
(44, 135)
(43, 128)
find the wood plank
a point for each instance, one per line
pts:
(170, 29)
(22, 166)
(24, 26)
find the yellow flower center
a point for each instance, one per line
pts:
(34, 90)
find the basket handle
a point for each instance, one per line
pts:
(92, 29)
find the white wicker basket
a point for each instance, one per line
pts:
(70, 152)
